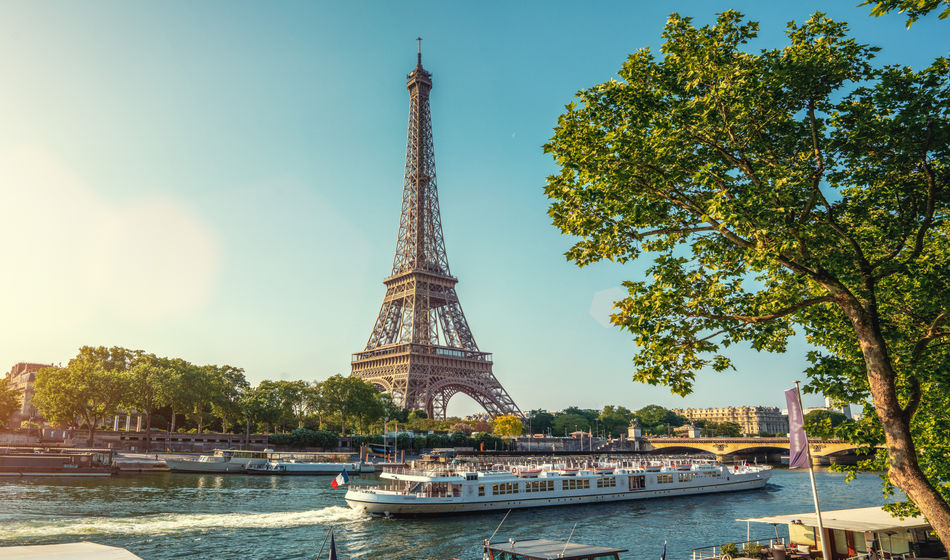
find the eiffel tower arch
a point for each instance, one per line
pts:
(421, 349)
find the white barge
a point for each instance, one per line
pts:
(467, 488)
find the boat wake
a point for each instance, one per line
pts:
(170, 523)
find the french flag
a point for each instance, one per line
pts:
(340, 480)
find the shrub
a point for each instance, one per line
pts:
(751, 549)
(729, 549)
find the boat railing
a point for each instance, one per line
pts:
(432, 471)
(715, 551)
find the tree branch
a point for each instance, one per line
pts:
(753, 319)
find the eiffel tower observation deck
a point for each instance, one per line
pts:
(421, 350)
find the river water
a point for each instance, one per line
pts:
(172, 515)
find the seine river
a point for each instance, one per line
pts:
(164, 516)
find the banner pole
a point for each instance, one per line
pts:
(825, 552)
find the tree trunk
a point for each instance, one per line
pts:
(172, 429)
(904, 470)
(92, 432)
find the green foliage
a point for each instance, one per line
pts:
(824, 423)
(752, 549)
(800, 187)
(351, 397)
(89, 389)
(540, 421)
(615, 419)
(723, 429)
(304, 438)
(655, 419)
(565, 423)
(913, 8)
(9, 400)
(729, 548)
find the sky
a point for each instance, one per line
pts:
(221, 182)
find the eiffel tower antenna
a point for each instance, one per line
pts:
(421, 350)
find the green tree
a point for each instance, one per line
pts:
(230, 386)
(723, 429)
(615, 419)
(565, 423)
(913, 8)
(262, 406)
(540, 421)
(89, 388)
(796, 186)
(508, 425)
(348, 397)
(9, 400)
(655, 419)
(146, 383)
(176, 388)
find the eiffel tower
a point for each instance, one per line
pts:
(421, 350)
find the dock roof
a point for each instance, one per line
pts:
(543, 549)
(858, 519)
(68, 551)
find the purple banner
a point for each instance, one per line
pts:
(797, 442)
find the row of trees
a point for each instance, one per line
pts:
(98, 382)
(171, 393)
(613, 421)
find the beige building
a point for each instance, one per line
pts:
(753, 420)
(22, 376)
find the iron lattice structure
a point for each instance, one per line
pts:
(421, 350)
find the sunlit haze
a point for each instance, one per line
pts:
(221, 182)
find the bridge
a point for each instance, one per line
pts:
(822, 451)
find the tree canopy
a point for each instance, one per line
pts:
(508, 425)
(913, 8)
(9, 400)
(795, 187)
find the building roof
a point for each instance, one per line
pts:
(858, 519)
(543, 549)
(69, 551)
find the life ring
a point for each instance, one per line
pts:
(725, 557)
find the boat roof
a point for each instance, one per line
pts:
(857, 519)
(68, 551)
(544, 549)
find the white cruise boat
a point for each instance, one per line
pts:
(466, 488)
(223, 461)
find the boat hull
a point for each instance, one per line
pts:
(418, 506)
(182, 465)
(57, 473)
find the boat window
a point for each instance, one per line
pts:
(576, 484)
(664, 478)
(686, 477)
(504, 488)
(481, 489)
(607, 482)
(637, 482)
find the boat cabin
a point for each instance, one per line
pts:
(543, 549)
(858, 533)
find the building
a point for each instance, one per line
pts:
(753, 420)
(22, 376)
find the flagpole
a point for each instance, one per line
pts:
(814, 488)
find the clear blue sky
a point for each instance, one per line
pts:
(221, 181)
